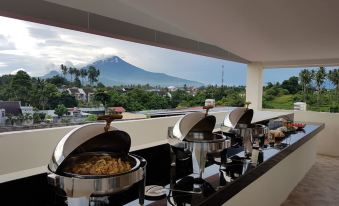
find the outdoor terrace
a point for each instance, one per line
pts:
(262, 34)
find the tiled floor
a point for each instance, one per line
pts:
(320, 187)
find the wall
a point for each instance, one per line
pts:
(274, 186)
(328, 143)
(27, 153)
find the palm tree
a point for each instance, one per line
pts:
(77, 73)
(77, 81)
(64, 70)
(71, 71)
(83, 74)
(320, 77)
(305, 77)
(93, 74)
(333, 76)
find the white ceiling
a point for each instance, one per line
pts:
(275, 32)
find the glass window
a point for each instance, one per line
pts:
(54, 76)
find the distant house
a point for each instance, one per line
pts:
(93, 110)
(90, 96)
(49, 113)
(193, 91)
(172, 88)
(126, 89)
(78, 93)
(157, 91)
(11, 107)
(116, 110)
(27, 110)
(75, 112)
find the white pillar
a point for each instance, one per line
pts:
(254, 85)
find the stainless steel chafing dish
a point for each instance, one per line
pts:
(238, 122)
(88, 141)
(194, 132)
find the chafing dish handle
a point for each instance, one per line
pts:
(142, 183)
(53, 179)
(207, 109)
(109, 119)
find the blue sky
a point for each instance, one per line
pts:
(38, 49)
(280, 74)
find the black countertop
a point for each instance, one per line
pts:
(35, 190)
(216, 194)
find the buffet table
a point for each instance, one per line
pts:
(266, 184)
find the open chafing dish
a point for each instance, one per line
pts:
(238, 122)
(99, 145)
(194, 133)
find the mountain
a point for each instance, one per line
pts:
(116, 71)
(51, 74)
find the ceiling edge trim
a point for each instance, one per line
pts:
(302, 63)
(48, 13)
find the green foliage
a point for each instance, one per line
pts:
(10, 118)
(77, 82)
(38, 117)
(58, 81)
(234, 100)
(100, 85)
(333, 76)
(91, 118)
(21, 85)
(49, 117)
(93, 74)
(291, 85)
(102, 96)
(63, 69)
(83, 75)
(281, 102)
(305, 77)
(28, 116)
(64, 98)
(65, 120)
(60, 110)
(41, 92)
(317, 98)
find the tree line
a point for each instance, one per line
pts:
(138, 98)
(44, 94)
(91, 74)
(39, 93)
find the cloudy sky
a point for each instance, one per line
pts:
(38, 49)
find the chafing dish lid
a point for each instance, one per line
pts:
(237, 116)
(194, 123)
(90, 138)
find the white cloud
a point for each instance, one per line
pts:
(3, 64)
(20, 69)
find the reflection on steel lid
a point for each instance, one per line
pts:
(239, 115)
(193, 122)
